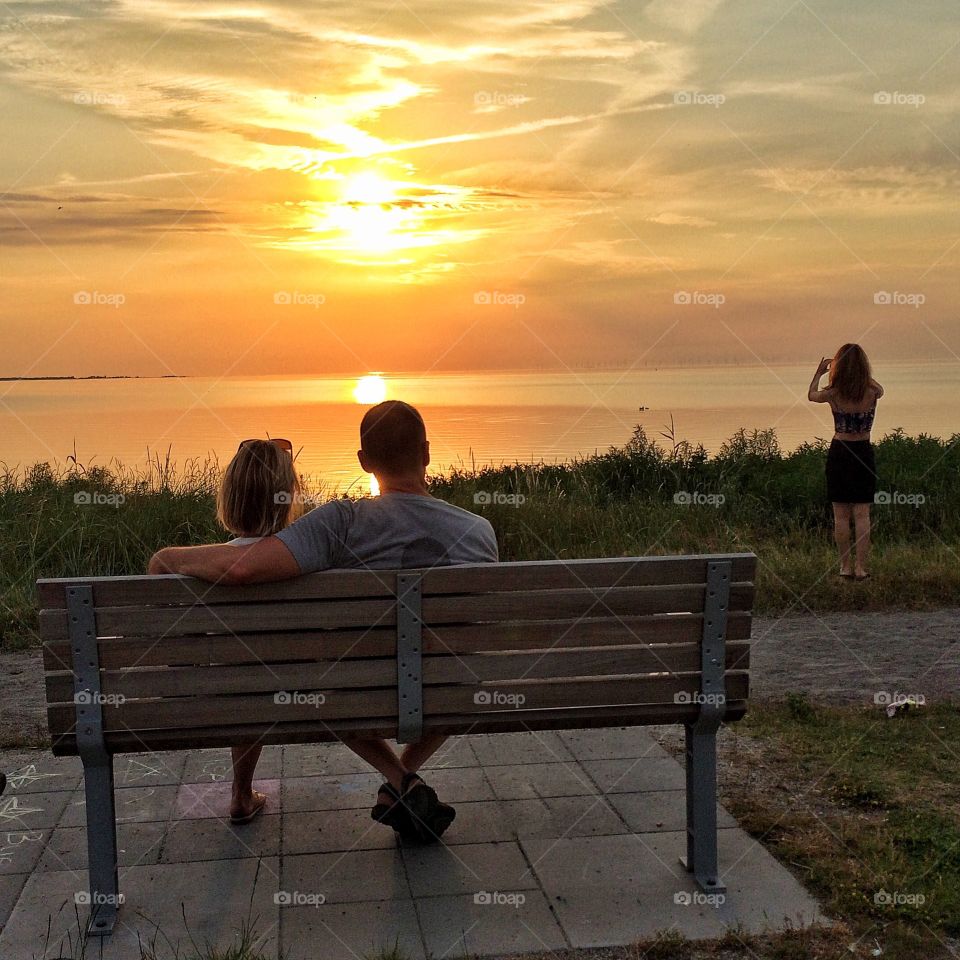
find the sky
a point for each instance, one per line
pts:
(292, 187)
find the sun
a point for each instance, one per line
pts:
(370, 389)
(368, 216)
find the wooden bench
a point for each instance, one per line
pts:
(138, 664)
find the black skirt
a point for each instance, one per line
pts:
(851, 472)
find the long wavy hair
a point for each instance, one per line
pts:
(850, 373)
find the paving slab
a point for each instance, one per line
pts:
(489, 923)
(327, 831)
(636, 775)
(659, 811)
(215, 897)
(215, 766)
(136, 843)
(540, 746)
(615, 890)
(10, 887)
(467, 868)
(342, 878)
(528, 781)
(615, 743)
(213, 838)
(562, 840)
(132, 804)
(45, 774)
(349, 931)
(198, 800)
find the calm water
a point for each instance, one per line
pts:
(472, 418)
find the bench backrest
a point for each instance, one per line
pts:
(504, 646)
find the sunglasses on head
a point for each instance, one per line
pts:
(282, 444)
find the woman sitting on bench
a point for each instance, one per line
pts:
(258, 497)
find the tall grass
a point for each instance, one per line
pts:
(73, 521)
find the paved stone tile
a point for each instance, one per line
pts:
(636, 776)
(539, 746)
(32, 811)
(20, 850)
(660, 811)
(215, 766)
(321, 760)
(549, 817)
(532, 780)
(10, 887)
(612, 743)
(133, 804)
(136, 843)
(456, 752)
(325, 831)
(211, 838)
(519, 922)
(459, 786)
(215, 896)
(342, 878)
(199, 800)
(761, 893)
(352, 791)
(149, 769)
(348, 931)
(466, 868)
(44, 775)
(615, 890)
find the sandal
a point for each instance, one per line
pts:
(259, 802)
(429, 817)
(394, 814)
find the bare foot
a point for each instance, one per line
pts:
(245, 809)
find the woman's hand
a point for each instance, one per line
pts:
(824, 366)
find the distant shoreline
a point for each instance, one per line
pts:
(97, 376)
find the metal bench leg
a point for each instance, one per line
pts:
(104, 894)
(104, 891)
(701, 858)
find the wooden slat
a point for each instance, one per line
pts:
(190, 712)
(473, 669)
(247, 648)
(518, 605)
(468, 578)
(381, 642)
(619, 716)
(236, 618)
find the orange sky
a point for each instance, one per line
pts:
(284, 187)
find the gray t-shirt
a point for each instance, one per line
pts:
(395, 530)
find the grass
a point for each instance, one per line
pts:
(77, 521)
(864, 808)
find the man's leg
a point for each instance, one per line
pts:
(415, 755)
(244, 800)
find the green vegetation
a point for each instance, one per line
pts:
(749, 496)
(866, 809)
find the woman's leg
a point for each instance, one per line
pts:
(861, 522)
(415, 755)
(841, 534)
(244, 799)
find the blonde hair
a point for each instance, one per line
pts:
(850, 373)
(260, 491)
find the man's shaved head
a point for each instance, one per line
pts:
(392, 438)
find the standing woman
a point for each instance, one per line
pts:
(851, 475)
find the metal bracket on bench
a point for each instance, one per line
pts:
(104, 895)
(701, 735)
(409, 658)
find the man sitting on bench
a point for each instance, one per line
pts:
(404, 527)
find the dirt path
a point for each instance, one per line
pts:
(837, 657)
